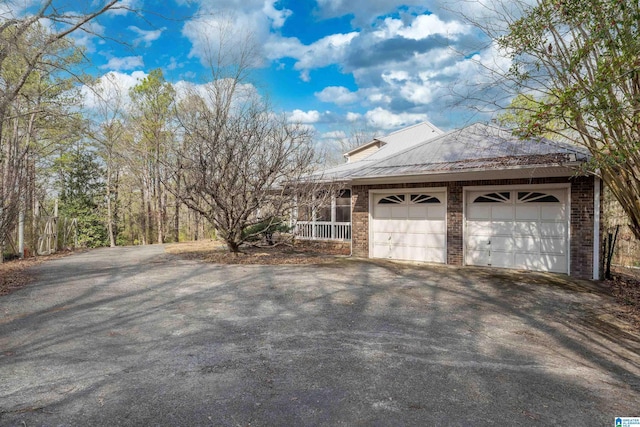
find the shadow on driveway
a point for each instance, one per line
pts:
(133, 336)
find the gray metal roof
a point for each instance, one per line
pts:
(478, 146)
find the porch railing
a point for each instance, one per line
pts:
(310, 230)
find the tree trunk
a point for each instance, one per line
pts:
(112, 240)
(176, 222)
(232, 246)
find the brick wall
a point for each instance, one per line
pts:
(582, 191)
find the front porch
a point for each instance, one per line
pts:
(322, 230)
(329, 220)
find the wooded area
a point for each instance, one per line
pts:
(148, 165)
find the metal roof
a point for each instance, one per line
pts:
(477, 147)
(404, 139)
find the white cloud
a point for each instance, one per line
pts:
(336, 134)
(332, 49)
(228, 32)
(353, 117)
(173, 64)
(145, 37)
(277, 16)
(337, 94)
(126, 63)
(299, 116)
(384, 119)
(420, 28)
(112, 87)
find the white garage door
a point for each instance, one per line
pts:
(409, 226)
(520, 229)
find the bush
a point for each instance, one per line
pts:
(265, 229)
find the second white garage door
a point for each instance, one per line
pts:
(524, 229)
(409, 226)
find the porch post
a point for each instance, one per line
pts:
(313, 217)
(333, 216)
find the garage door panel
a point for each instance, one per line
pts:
(527, 212)
(553, 245)
(433, 255)
(502, 259)
(526, 228)
(501, 212)
(399, 212)
(389, 226)
(418, 211)
(551, 229)
(541, 262)
(478, 243)
(553, 212)
(478, 228)
(436, 212)
(526, 244)
(381, 250)
(383, 212)
(435, 241)
(502, 243)
(501, 228)
(478, 257)
(397, 252)
(478, 211)
(432, 226)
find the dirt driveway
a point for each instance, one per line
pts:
(133, 336)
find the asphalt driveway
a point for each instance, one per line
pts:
(133, 336)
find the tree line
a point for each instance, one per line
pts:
(149, 165)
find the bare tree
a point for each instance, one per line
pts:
(244, 170)
(240, 163)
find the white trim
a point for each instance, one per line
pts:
(406, 190)
(515, 187)
(596, 228)
(476, 174)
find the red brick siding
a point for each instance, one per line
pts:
(582, 191)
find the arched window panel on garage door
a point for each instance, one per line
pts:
(535, 197)
(424, 199)
(392, 200)
(498, 197)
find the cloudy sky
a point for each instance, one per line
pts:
(335, 65)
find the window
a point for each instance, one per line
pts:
(530, 197)
(392, 200)
(343, 206)
(501, 197)
(423, 199)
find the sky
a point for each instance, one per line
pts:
(335, 65)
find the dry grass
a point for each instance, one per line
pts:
(625, 287)
(300, 253)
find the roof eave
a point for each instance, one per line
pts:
(539, 170)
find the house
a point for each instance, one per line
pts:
(474, 196)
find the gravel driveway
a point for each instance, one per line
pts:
(133, 336)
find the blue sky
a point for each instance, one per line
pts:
(335, 65)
